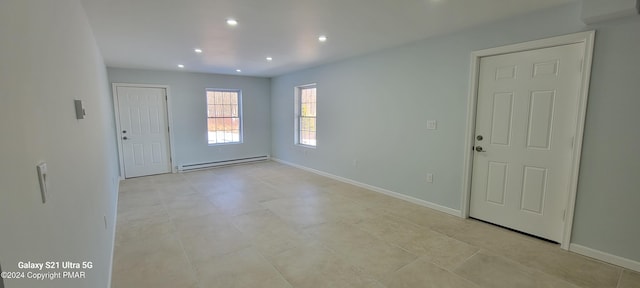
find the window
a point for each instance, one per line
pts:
(224, 122)
(306, 115)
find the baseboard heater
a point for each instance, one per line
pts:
(191, 167)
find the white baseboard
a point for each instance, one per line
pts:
(397, 195)
(200, 166)
(606, 257)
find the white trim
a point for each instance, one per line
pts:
(113, 237)
(606, 257)
(116, 111)
(397, 195)
(587, 38)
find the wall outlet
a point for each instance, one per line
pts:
(355, 163)
(429, 178)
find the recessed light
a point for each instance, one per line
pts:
(269, 59)
(322, 38)
(232, 22)
(180, 66)
(238, 70)
(197, 50)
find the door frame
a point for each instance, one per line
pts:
(116, 110)
(587, 38)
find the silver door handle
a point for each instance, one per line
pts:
(480, 149)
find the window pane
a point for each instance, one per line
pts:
(312, 124)
(211, 124)
(235, 124)
(227, 124)
(312, 138)
(306, 126)
(217, 111)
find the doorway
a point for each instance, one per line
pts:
(142, 123)
(526, 117)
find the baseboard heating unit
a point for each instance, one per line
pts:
(198, 166)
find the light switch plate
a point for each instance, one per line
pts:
(432, 124)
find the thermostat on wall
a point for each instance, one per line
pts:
(80, 113)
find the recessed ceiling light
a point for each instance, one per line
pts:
(322, 38)
(269, 59)
(232, 22)
(180, 66)
(238, 70)
(197, 50)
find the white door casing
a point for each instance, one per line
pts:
(526, 114)
(142, 123)
(526, 136)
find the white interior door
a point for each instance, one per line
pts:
(144, 132)
(525, 124)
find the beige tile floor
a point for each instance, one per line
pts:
(270, 225)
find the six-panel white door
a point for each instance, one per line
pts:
(143, 130)
(525, 124)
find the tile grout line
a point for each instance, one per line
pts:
(274, 266)
(620, 278)
(175, 231)
(464, 261)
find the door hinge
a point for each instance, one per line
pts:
(564, 214)
(581, 64)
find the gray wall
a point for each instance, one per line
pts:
(608, 203)
(189, 109)
(48, 58)
(374, 109)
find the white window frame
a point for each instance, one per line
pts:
(240, 115)
(297, 114)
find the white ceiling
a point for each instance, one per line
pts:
(160, 34)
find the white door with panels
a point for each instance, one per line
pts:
(143, 130)
(525, 131)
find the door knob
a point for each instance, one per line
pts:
(124, 138)
(480, 149)
(479, 137)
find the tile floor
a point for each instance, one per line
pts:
(270, 225)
